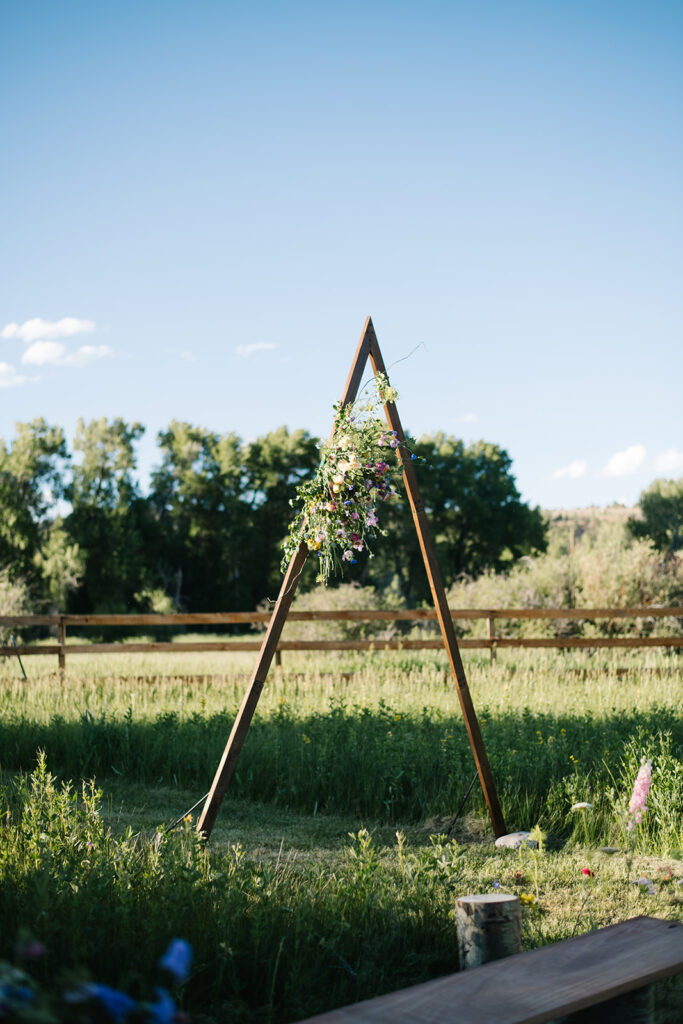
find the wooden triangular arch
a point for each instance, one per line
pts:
(368, 348)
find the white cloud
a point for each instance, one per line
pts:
(42, 353)
(244, 351)
(670, 461)
(54, 353)
(469, 417)
(87, 354)
(575, 470)
(627, 462)
(38, 330)
(9, 378)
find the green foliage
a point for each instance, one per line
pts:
(476, 516)
(661, 520)
(208, 536)
(109, 521)
(270, 939)
(60, 564)
(607, 568)
(13, 600)
(31, 480)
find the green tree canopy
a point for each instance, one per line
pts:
(31, 482)
(475, 511)
(109, 520)
(661, 507)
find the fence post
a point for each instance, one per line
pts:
(278, 658)
(491, 622)
(61, 640)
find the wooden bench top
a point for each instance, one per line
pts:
(533, 987)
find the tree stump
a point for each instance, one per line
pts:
(489, 928)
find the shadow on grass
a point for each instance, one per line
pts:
(374, 764)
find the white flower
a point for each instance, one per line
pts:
(583, 806)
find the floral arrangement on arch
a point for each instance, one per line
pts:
(339, 508)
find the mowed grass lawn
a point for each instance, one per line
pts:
(333, 869)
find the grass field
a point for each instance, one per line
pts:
(331, 874)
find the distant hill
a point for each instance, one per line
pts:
(567, 525)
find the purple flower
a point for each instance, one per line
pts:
(33, 950)
(177, 959)
(372, 519)
(117, 1004)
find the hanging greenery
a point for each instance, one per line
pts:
(338, 509)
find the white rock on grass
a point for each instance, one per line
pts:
(514, 840)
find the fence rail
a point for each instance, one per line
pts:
(491, 642)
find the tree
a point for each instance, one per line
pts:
(31, 481)
(475, 511)
(223, 509)
(196, 497)
(661, 507)
(109, 520)
(275, 465)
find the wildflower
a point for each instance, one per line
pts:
(356, 541)
(496, 884)
(587, 871)
(347, 556)
(354, 515)
(582, 806)
(371, 518)
(527, 898)
(117, 1004)
(177, 959)
(33, 950)
(637, 806)
(163, 1010)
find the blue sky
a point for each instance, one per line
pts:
(202, 201)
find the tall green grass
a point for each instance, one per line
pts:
(275, 938)
(385, 743)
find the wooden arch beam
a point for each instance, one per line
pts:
(368, 348)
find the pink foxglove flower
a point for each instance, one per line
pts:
(637, 806)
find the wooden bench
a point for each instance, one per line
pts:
(538, 986)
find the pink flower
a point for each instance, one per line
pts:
(641, 788)
(372, 519)
(347, 556)
(354, 515)
(356, 541)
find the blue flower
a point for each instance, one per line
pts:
(164, 1010)
(117, 1004)
(413, 456)
(177, 959)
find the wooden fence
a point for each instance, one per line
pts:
(492, 642)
